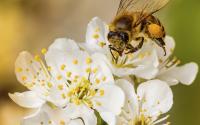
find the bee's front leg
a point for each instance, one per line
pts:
(160, 42)
(112, 48)
(133, 49)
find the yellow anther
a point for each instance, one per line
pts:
(27, 70)
(49, 68)
(75, 61)
(98, 103)
(63, 96)
(59, 77)
(50, 122)
(42, 123)
(44, 51)
(77, 101)
(69, 94)
(62, 122)
(92, 92)
(49, 84)
(89, 103)
(101, 92)
(95, 70)
(97, 81)
(104, 78)
(24, 78)
(62, 67)
(88, 70)
(37, 58)
(95, 36)
(68, 74)
(97, 29)
(88, 60)
(75, 80)
(101, 44)
(60, 87)
(76, 76)
(19, 70)
(141, 56)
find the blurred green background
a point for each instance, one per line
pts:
(34, 24)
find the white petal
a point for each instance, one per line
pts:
(40, 117)
(99, 28)
(170, 46)
(185, 74)
(156, 97)
(111, 101)
(64, 44)
(109, 118)
(76, 122)
(28, 99)
(31, 72)
(56, 59)
(131, 103)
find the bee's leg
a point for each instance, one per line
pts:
(161, 43)
(135, 49)
(112, 48)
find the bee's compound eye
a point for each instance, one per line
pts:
(111, 34)
(124, 36)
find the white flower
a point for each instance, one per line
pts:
(168, 69)
(143, 63)
(145, 106)
(148, 63)
(89, 83)
(47, 115)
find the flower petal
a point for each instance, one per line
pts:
(155, 96)
(28, 99)
(115, 96)
(108, 117)
(64, 45)
(170, 46)
(185, 74)
(131, 103)
(31, 72)
(96, 36)
(40, 117)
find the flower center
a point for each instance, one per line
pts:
(82, 93)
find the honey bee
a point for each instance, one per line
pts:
(134, 22)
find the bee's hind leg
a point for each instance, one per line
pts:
(160, 42)
(133, 49)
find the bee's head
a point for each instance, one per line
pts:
(118, 39)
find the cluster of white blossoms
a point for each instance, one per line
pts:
(81, 84)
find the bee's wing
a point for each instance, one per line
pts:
(143, 6)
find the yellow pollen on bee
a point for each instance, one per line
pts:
(68, 74)
(97, 81)
(95, 36)
(101, 92)
(62, 122)
(37, 58)
(88, 60)
(88, 70)
(101, 44)
(59, 77)
(75, 61)
(24, 78)
(60, 87)
(19, 70)
(44, 51)
(62, 67)
(155, 29)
